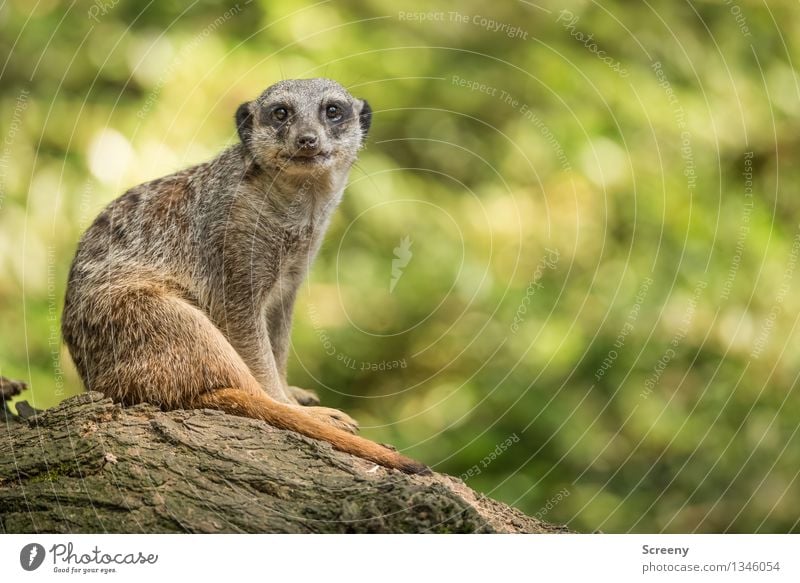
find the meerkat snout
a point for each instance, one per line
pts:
(307, 142)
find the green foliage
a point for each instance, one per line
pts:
(601, 252)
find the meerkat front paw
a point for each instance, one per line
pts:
(303, 396)
(334, 417)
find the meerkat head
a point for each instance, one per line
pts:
(304, 126)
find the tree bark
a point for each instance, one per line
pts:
(91, 466)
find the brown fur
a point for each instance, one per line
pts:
(182, 290)
(259, 406)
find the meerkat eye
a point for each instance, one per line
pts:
(280, 113)
(333, 112)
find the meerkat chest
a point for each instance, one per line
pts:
(291, 264)
(292, 255)
(293, 246)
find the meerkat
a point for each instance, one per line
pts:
(181, 291)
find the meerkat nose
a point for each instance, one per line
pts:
(307, 141)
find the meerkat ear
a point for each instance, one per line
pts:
(365, 117)
(244, 121)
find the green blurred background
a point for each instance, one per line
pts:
(592, 217)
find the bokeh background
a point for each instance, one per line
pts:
(564, 270)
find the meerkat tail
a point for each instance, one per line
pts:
(260, 406)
